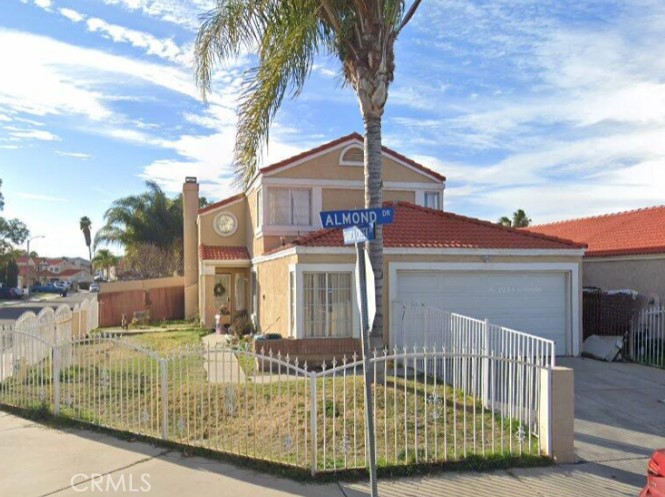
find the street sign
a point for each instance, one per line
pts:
(344, 219)
(367, 280)
(358, 234)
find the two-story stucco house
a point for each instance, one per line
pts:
(263, 251)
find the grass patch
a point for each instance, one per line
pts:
(166, 341)
(267, 417)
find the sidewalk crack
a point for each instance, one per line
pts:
(97, 475)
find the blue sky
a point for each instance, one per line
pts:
(556, 107)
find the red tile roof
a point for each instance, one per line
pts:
(219, 253)
(635, 232)
(419, 227)
(338, 141)
(221, 203)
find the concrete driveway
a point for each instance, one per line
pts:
(619, 421)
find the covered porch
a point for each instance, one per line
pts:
(224, 284)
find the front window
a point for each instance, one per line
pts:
(433, 200)
(327, 305)
(290, 206)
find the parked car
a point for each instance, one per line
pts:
(45, 289)
(655, 486)
(9, 293)
(94, 287)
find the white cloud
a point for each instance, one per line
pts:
(75, 155)
(38, 196)
(31, 134)
(57, 78)
(72, 15)
(164, 48)
(182, 12)
(44, 4)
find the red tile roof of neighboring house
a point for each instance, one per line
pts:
(637, 232)
(338, 141)
(419, 227)
(219, 253)
(69, 272)
(221, 203)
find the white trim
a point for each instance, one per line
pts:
(300, 250)
(323, 268)
(572, 341)
(271, 257)
(285, 230)
(628, 257)
(352, 184)
(349, 163)
(209, 265)
(235, 223)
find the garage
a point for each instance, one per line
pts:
(536, 302)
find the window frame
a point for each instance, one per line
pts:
(438, 199)
(290, 191)
(300, 270)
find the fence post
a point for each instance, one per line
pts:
(557, 413)
(55, 363)
(486, 363)
(312, 420)
(164, 388)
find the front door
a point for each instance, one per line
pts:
(230, 294)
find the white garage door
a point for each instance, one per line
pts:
(532, 302)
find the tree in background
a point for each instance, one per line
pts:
(288, 35)
(147, 261)
(9, 273)
(12, 233)
(144, 225)
(104, 259)
(84, 225)
(519, 220)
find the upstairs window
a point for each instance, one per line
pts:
(290, 206)
(352, 156)
(433, 200)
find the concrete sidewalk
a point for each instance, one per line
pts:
(38, 461)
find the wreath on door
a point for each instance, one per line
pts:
(219, 290)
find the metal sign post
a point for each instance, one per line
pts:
(359, 228)
(365, 328)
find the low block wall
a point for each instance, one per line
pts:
(312, 350)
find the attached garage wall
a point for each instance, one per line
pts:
(533, 302)
(533, 298)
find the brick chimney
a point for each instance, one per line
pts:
(190, 207)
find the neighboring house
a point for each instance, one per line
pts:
(263, 251)
(625, 250)
(43, 270)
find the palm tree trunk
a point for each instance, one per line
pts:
(373, 199)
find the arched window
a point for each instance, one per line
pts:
(353, 155)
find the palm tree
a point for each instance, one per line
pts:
(149, 218)
(288, 34)
(104, 259)
(519, 220)
(84, 225)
